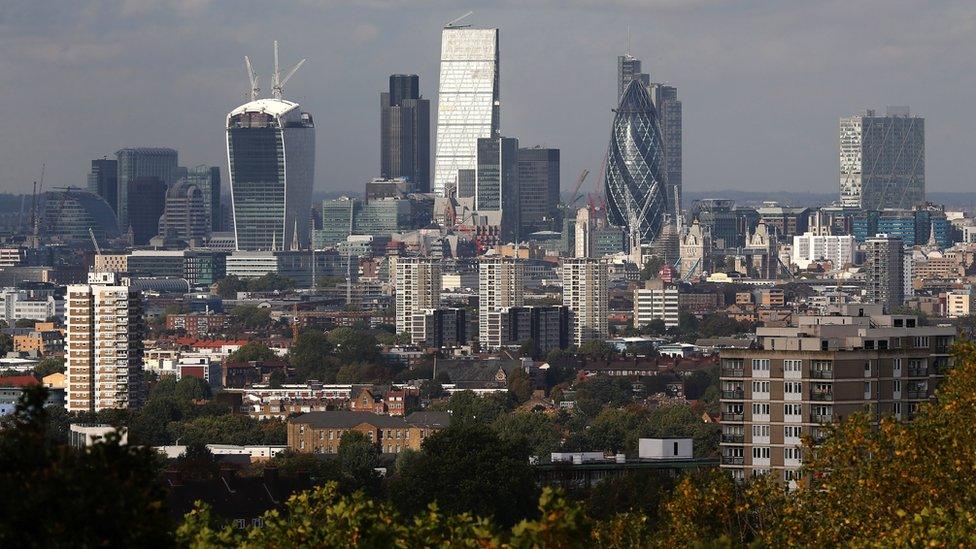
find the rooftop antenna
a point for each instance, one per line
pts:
(278, 84)
(253, 77)
(628, 40)
(453, 23)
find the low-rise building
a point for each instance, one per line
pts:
(198, 324)
(656, 301)
(959, 303)
(321, 432)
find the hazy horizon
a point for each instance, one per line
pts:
(763, 84)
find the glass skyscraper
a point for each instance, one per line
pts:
(207, 179)
(635, 175)
(103, 180)
(405, 133)
(271, 156)
(467, 101)
(882, 160)
(142, 162)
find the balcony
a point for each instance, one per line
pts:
(733, 372)
(734, 439)
(917, 395)
(918, 372)
(821, 397)
(729, 460)
(822, 374)
(821, 418)
(728, 416)
(737, 394)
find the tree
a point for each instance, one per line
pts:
(276, 379)
(6, 344)
(528, 348)
(357, 457)
(251, 351)
(469, 468)
(250, 317)
(595, 393)
(520, 385)
(467, 407)
(597, 350)
(48, 366)
(191, 389)
(198, 463)
(353, 345)
(228, 287)
(652, 267)
(655, 327)
(229, 429)
(105, 494)
(312, 356)
(533, 430)
(25, 323)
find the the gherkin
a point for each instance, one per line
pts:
(634, 175)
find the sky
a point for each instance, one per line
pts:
(762, 83)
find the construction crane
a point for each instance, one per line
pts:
(576, 194)
(91, 233)
(35, 221)
(453, 22)
(278, 83)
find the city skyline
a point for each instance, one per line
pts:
(790, 109)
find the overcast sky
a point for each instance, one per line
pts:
(763, 82)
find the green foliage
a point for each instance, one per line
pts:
(25, 323)
(276, 379)
(469, 468)
(6, 344)
(520, 385)
(357, 458)
(48, 366)
(598, 350)
(250, 317)
(593, 394)
(652, 267)
(655, 327)
(312, 356)
(251, 351)
(59, 496)
(533, 430)
(468, 407)
(229, 429)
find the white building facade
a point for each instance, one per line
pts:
(809, 248)
(585, 292)
(418, 288)
(501, 284)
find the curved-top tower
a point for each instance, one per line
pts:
(634, 174)
(271, 161)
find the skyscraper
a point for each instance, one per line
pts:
(882, 160)
(147, 201)
(207, 179)
(104, 345)
(538, 189)
(405, 132)
(885, 271)
(586, 293)
(467, 100)
(665, 99)
(628, 69)
(103, 180)
(142, 162)
(501, 284)
(185, 216)
(496, 184)
(418, 288)
(635, 175)
(271, 159)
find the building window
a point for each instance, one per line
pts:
(792, 365)
(760, 452)
(792, 453)
(760, 365)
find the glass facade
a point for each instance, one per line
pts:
(207, 178)
(134, 163)
(405, 133)
(634, 180)
(467, 102)
(496, 185)
(68, 215)
(538, 189)
(271, 154)
(103, 180)
(147, 201)
(882, 160)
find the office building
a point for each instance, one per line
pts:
(33, 305)
(882, 160)
(185, 216)
(147, 201)
(665, 99)
(496, 185)
(304, 267)
(501, 284)
(810, 248)
(884, 271)
(418, 288)
(103, 180)
(629, 69)
(207, 179)
(960, 303)
(142, 162)
(546, 328)
(467, 101)
(586, 293)
(104, 348)
(821, 370)
(342, 217)
(440, 328)
(657, 300)
(271, 156)
(634, 181)
(405, 133)
(68, 216)
(538, 179)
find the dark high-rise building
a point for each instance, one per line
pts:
(147, 200)
(885, 271)
(496, 185)
(665, 99)
(186, 216)
(634, 181)
(538, 189)
(103, 180)
(405, 132)
(142, 162)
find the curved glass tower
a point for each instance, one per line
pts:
(635, 180)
